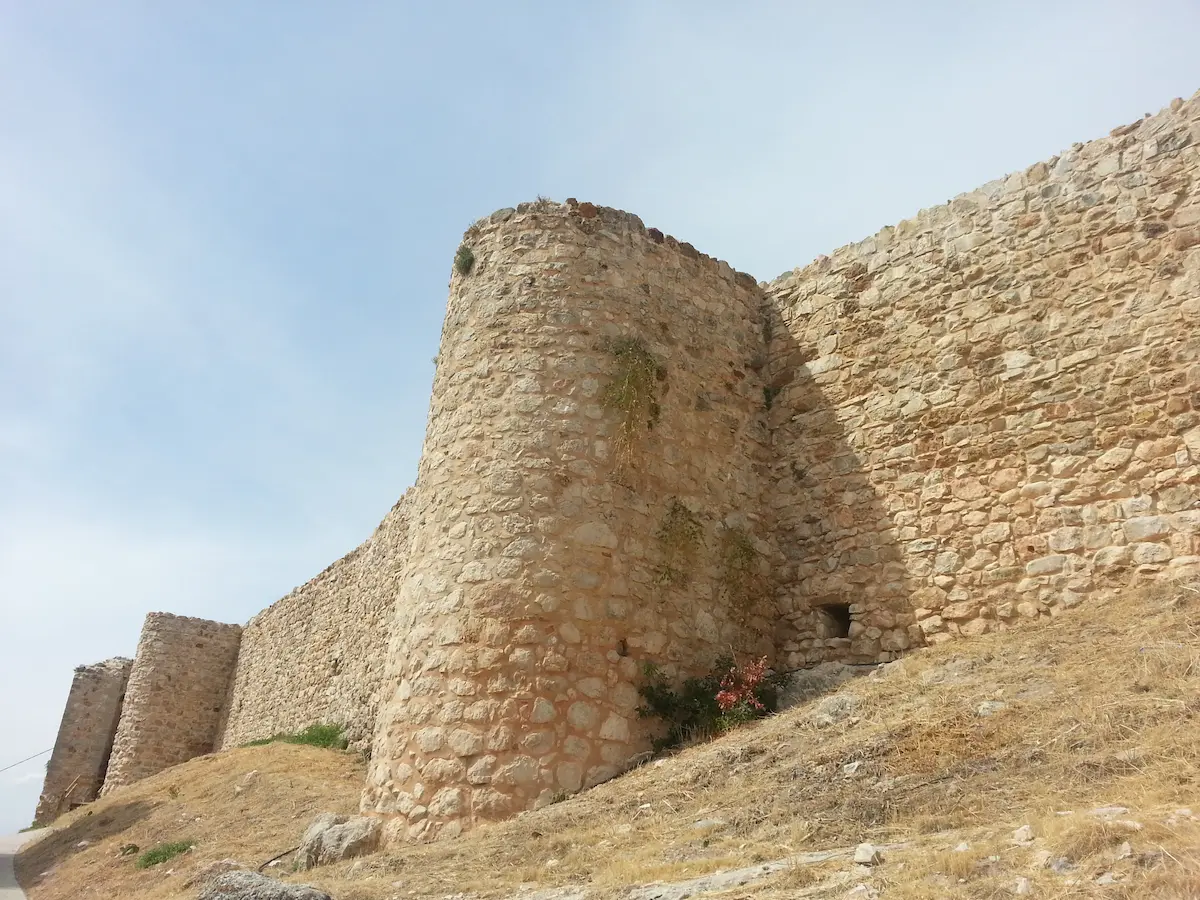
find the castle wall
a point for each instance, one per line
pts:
(990, 411)
(317, 655)
(176, 691)
(565, 530)
(85, 738)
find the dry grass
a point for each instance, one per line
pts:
(209, 801)
(1102, 708)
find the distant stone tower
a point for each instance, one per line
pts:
(76, 769)
(176, 693)
(587, 500)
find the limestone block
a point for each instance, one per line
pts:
(332, 838)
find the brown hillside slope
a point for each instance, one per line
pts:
(212, 800)
(958, 744)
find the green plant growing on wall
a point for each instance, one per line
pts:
(464, 260)
(740, 578)
(769, 395)
(632, 393)
(679, 537)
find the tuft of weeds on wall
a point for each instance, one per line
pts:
(464, 260)
(632, 393)
(740, 578)
(700, 709)
(769, 395)
(330, 737)
(679, 536)
(162, 853)
(768, 328)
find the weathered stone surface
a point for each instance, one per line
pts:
(833, 710)
(538, 551)
(805, 684)
(77, 765)
(318, 654)
(163, 726)
(332, 838)
(1059, 346)
(867, 855)
(252, 886)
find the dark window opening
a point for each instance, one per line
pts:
(836, 619)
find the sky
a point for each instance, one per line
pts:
(226, 233)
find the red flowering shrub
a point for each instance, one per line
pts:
(740, 685)
(704, 707)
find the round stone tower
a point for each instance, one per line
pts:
(588, 501)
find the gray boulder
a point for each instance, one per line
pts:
(332, 838)
(805, 684)
(252, 886)
(832, 710)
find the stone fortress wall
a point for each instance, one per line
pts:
(318, 654)
(79, 761)
(177, 688)
(635, 454)
(992, 410)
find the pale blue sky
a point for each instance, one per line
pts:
(226, 231)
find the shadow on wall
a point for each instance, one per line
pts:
(36, 863)
(845, 591)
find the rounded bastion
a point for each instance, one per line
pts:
(587, 502)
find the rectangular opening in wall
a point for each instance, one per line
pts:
(834, 619)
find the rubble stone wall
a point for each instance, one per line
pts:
(77, 765)
(588, 499)
(177, 689)
(992, 410)
(317, 655)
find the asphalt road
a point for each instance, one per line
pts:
(9, 889)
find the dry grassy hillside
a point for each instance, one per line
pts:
(214, 801)
(946, 753)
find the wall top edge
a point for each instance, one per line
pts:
(397, 508)
(616, 222)
(115, 664)
(1138, 136)
(166, 618)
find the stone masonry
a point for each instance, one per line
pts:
(318, 654)
(990, 411)
(177, 688)
(540, 572)
(635, 454)
(77, 765)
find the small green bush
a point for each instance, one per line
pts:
(328, 736)
(34, 827)
(162, 853)
(464, 260)
(694, 713)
